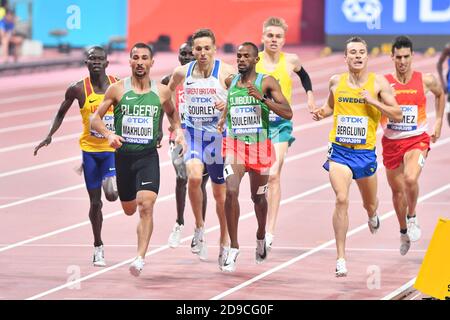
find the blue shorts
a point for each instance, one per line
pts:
(363, 163)
(96, 167)
(207, 147)
(281, 131)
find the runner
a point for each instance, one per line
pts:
(406, 143)
(98, 157)
(137, 103)
(356, 100)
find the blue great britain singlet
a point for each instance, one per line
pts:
(200, 97)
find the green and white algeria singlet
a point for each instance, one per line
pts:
(247, 117)
(136, 118)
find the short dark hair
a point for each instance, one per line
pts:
(141, 45)
(99, 48)
(201, 33)
(402, 42)
(253, 46)
(355, 39)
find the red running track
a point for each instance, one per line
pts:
(46, 238)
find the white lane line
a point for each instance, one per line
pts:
(39, 166)
(33, 144)
(398, 291)
(74, 226)
(165, 247)
(37, 124)
(28, 111)
(318, 248)
(49, 194)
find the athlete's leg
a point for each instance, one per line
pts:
(109, 186)
(194, 169)
(396, 182)
(219, 193)
(340, 178)
(233, 177)
(368, 189)
(258, 186)
(181, 181)
(108, 172)
(145, 201)
(274, 192)
(205, 194)
(95, 215)
(413, 161)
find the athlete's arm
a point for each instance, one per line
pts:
(388, 105)
(164, 81)
(75, 91)
(277, 102)
(111, 99)
(432, 84)
(328, 108)
(305, 80)
(444, 56)
(174, 118)
(223, 117)
(177, 77)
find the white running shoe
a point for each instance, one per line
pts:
(203, 253)
(414, 231)
(175, 236)
(405, 243)
(136, 266)
(269, 240)
(195, 243)
(261, 251)
(223, 253)
(341, 269)
(230, 262)
(99, 257)
(374, 224)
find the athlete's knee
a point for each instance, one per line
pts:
(181, 182)
(96, 205)
(194, 182)
(232, 191)
(110, 188)
(129, 211)
(145, 206)
(342, 200)
(259, 199)
(274, 178)
(411, 180)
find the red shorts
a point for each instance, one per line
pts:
(258, 157)
(395, 149)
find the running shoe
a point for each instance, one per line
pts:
(136, 266)
(175, 235)
(341, 269)
(99, 257)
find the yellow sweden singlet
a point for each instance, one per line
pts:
(90, 140)
(355, 122)
(280, 73)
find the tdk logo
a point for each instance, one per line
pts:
(245, 109)
(201, 100)
(351, 120)
(138, 120)
(407, 109)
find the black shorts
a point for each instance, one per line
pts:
(137, 171)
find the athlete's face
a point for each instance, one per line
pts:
(204, 50)
(185, 54)
(141, 61)
(403, 59)
(356, 56)
(96, 61)
(273, 38)
(247, 59)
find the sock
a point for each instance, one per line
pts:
(403, 231)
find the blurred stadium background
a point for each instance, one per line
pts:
(54, 32)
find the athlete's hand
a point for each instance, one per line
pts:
(44, 142)
(436, 131)
(368, 97)
(220, 125)
(317, 114)
(179, 139)
(220, 105)
(158, 141)
(252, 91)
(311, 104)
(115, 141)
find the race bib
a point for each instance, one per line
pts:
(273, 117)
(108, 120)
(351, 129)
(246, 119)
(409, 120)
(137, 130)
